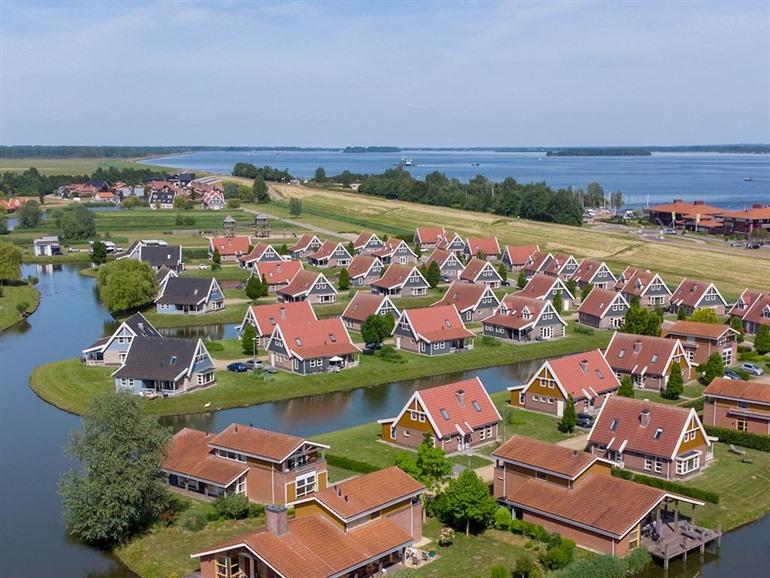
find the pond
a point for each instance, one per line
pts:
(33, 434)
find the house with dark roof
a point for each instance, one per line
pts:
(162, 275)
(190, 296)
(330, 254)
(651, 438)
(230, 248)
(367, 242)
(478, 271)
(276, 274)
(603, 309)
(400, 281)
(700, 340)
(47, 246)
(428, 237)
(753, 309)
(573, 493)
(364, 269)
(260, 253)
(306, 244)
(648, 360)
(314, 346)
(264, 318)
(545, 288)
(265, 466)
(155, 253)
(432, 331)
(365, 304)
(396, 251)
(162, 199)
(645, 286)
(164, 366)
(309, 286)
(487, 246)
(691, 295)
(524, 319)
(737, 405)
(449, 264)
(112, 349)
(458, 416)
(587, 377)
(516, 256)
(359, 527)
(474, 302)
(596, 273)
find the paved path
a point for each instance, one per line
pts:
(575, 443)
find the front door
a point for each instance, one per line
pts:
(559, 407)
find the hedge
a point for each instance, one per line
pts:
(608, 566)
(740, 438)
(667, 485)
(348, 464)
(195, 252)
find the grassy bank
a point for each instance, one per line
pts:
(232, 313)
(73, 166)
(56, 384)
(12, 295)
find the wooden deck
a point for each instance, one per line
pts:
(678, 538)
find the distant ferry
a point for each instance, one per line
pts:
(406, 163)
(747, 179)
(475, 164)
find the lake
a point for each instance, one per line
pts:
(33, 434)
(715, 178)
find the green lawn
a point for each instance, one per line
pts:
(245, 389)
(226, 273)
(10, 297)
(230, 314)
(69, 384)
(231, 349)
(73, 166)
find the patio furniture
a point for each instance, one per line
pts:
(736, 450)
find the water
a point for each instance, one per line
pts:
(33, 433)
(715, 178)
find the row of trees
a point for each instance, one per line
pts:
(250, 171)
(31, 183)
(71, 223)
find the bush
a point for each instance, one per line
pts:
(500, 572)
(582, 329)
(558, 555)
(256, 510)
(22, 307)
(193, 520)
(490, 341)
(503, 519)
(748, 355)
(348, 464)
(232, 507)
(391, 354)
(608, 566)
(214, 346)
(740, 438)
(446, 537)
(527, 567)
(662, 484)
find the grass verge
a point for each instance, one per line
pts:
(12, 295)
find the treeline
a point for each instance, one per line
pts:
(31, 183)
(123, 152)
(600, 152)
(536, 201)
(249, 171)
(374, 149)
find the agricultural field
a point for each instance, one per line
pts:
(73, 166)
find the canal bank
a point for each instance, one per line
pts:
(33, 434)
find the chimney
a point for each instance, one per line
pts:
(637, 346)
(678, 201)
(460, 395)
(697, 202)
(584, 366)
(276, 519)
(236, 428)
(644, 417)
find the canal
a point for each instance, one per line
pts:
(33, 540)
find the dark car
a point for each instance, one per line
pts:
(753, 246)
(585, 420)
(238, 367)
(374, 346)
(730, 374)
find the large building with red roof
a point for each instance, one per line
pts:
(457, 416)
(432, 331)
(700, 340)
(230, 248)
(737, 405)
(684, 214)
(748, 221)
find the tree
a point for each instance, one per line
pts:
(126, 284)
(418, 250)
(320, 175)
(119, 489)
(10, 262)
(571, 286)
(675, 385)
(130, 202)
(681, 314)
(704, 315)
(248, 340)
(216, 257)
(295, 207)
(626, 387)
(641, 321)
(503, 272)
(343, 280)
(253, 287)
(351, 249)
(181, 203)
(376, 328)
(737, 324)
(3, 225)
(762, 339)
(521, 282)
(468, 501)
(29, 215)
(433, 274)
(616, 200)
(713, 368)
(431, 465)
(99, 253)
(259, 188)
(558, 303)
(569, 417)
(586, 291)
(74, 223)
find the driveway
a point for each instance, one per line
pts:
(576, 443)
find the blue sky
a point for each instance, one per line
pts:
(402, 73)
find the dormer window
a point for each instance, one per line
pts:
(614, 425)
(658, 433)
(298, 341)
(654, 357)
(332, 338)
(448, 323)
(476, 405)
(621, 353)
(766, 313)
(444, 414)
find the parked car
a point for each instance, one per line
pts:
(668, 231)
(202, 266)
(731, 374)
(752, 368)
(585, 420)
(270, 369)
(739, 244)
(753, 246)
(238, 367)
(252, 364)
(374, 346)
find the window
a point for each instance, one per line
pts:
(621, 353)
(407, 434)
(614, 425)
(228, 455)
(658, 433)
(741, 424)
(240, 486)
(444, 414)
(204, 378)
(422, 417)
(413, 415)
(685, 466)
(482, 434)
(654, 357)
(306, 484)
(227, 567)
(476, 405)
(489, 431)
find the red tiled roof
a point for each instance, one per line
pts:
(556, 264)
(231, 246)
(302, 283)
(464, 296)
(687, 209)
(540, 286)
(395, 276)
(755, 313)
(317, 338)
(518, 254)
(256, 252)
(373, 491)
(587, 269)
(277, 272)
(690, 292)
(751, 391)
(638, 281)
(637, 353)
(263, 443)
(190, 455)
(430, 235)
(747, 297)
(391, 245)
(362, 306)
(560, 460)
(474, 268)
(303, 242)
(599, 301)
(447, 240)
(584, 375)
(462, 415)
(536, 261)
(753, 214)
(438, 323)
(516, 306)
(360, 265)
(325, 250)
(362, 239)
(696, 329)
(269, 315)
(487, 245)
(439, 256)
(625, 414)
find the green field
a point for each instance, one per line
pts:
(11, 296)
(73, 166)
(232, 313)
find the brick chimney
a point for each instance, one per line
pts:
(637, 346)
(276, 519)
(644, 417)
(460, 395)
(584, 365)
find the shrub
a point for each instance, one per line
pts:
(22, 307)
(193, 520)
(490, 341)
(348, 464)
(214, 346)
(390, 354)
(232, 507)
(748, 355)
(582, 329)
(558, 555)
(667, 485)
(256, 510)
(503, 519)
(446, 537)
(527, 567)
(740, 438)
(500, 572)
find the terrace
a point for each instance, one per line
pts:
(666, 536)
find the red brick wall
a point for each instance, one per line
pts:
(716, 415)
(582, 538)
